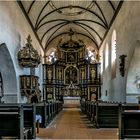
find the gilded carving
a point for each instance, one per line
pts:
(28, 56)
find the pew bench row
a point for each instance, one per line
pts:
(114, 115)
(19, 120)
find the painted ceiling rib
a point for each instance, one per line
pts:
(29, 21)
(91, 29)
(86, 31)
(48, 25)
(41, 13)
(90, 38)
(89, 20)
(68, 33)
(70, 21)
(116, 13)
(111, 4)
(55, 32)
(31, 6)
(78, 24)
(62, 23)
(102, 13)
(92, 12)
(50, 22)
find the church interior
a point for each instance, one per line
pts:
(69, 69)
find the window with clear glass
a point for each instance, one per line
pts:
(106, 56)
(51, 58)
(101, 61)
(113, 54)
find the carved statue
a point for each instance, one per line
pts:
(49, 74)
(83, 74)
(93, 74)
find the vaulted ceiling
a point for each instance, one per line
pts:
(51, 20)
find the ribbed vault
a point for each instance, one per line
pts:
(52, 20)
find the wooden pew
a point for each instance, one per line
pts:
(130, 106)
(12, 122)
(83, 106)
(93, 113)
(28, 114)
(56, 108)
(49, 112)
(41, 109)
(60, 106)
(29, 111)
(88, 108)
(53, 109)
(107, 115)
(18, 120)
(129, 122)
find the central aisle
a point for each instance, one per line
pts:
(71, 124)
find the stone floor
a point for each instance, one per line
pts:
(72, 124)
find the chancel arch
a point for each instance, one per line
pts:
(73, 70)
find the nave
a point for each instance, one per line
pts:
(70, 51)
(71, 123)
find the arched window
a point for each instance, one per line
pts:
(51, 58)
(106, 56)
(113, 54)
(101, 61)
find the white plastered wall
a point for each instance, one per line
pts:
(14, 30)
(127, 26)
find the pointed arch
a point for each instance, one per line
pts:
(8, 73)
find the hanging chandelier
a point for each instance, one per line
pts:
(28, 56)
(71, 45)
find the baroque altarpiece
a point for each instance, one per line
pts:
(71, 73)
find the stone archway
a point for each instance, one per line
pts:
(133, 76)
(9, 75)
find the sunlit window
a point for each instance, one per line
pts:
(91, 55)
(51, 57)
(101, 61)
(106, 56)
(113, 54)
